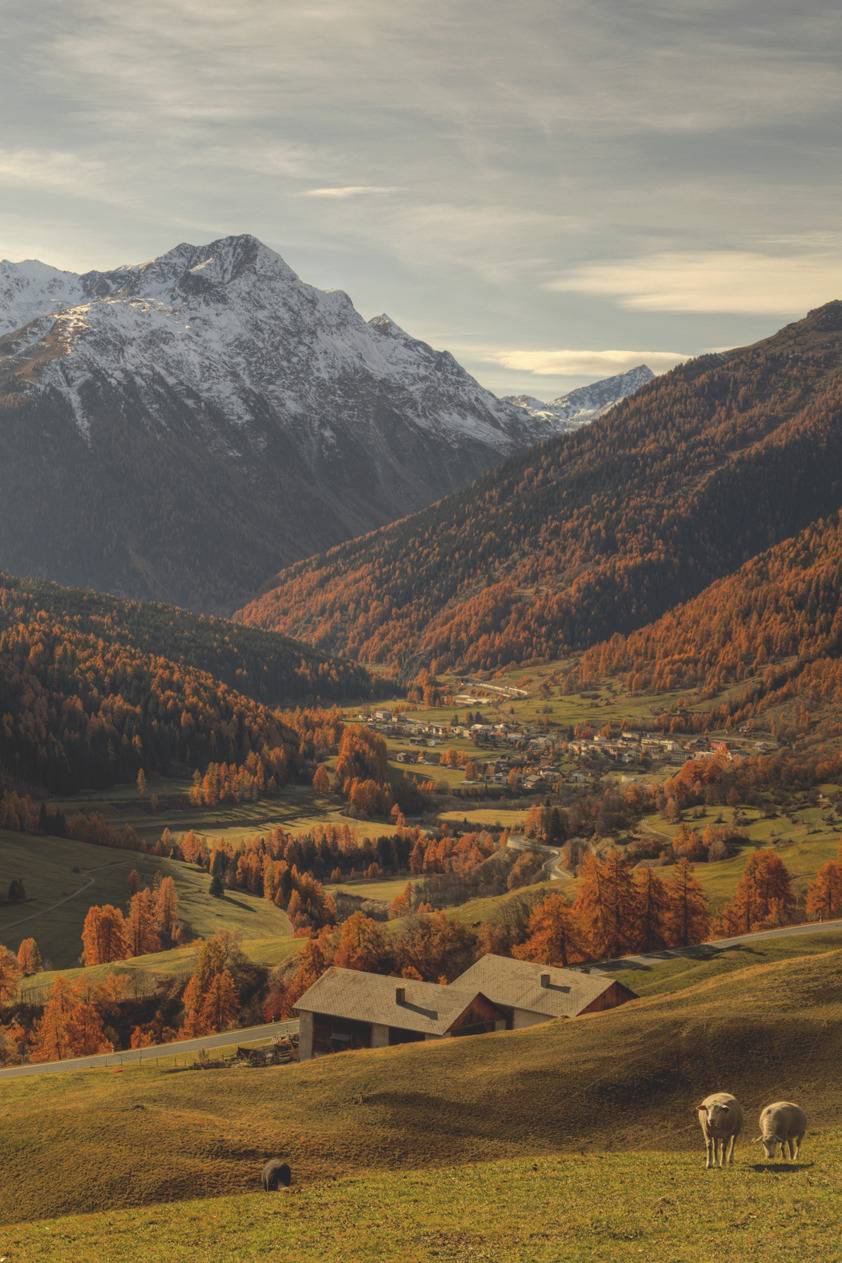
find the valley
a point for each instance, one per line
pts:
(598, 754)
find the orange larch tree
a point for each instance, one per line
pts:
(29, 957)
(552, 935)
(689, 911)
(104, 936)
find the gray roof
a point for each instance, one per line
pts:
(361, 997)
(517, 985)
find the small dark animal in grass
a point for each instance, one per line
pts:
(276, 1174)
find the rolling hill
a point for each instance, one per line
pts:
(617, 1086)
(595, 533)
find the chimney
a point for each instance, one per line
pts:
(545, 980)
(400, 995)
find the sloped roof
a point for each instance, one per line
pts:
(361, 997)
(517, 984)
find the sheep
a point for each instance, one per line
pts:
(721, 1121)
(784, 1124)
(275, 1174)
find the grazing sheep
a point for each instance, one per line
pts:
(782, 1124)
(721, 1120)
(275, 1175)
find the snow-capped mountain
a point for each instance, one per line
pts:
(584, 404)
(182, 428)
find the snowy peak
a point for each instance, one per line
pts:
(278, 419)
(585, 403)
(31, 288)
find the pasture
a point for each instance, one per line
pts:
(425, 1119)
(63, 878)
(639, 1204)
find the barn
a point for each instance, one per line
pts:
(529, 993)
(348, 1008)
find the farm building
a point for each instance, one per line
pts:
(348, 1008)
(529, 993)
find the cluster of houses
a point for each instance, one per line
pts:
(541, 758)
(349, 1008)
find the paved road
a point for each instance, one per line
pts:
(719, 944)
(247, 1035)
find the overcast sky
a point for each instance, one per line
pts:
(552, 190)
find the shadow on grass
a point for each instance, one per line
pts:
(237, 903)
(780, 1168)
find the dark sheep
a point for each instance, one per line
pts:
(276, 1174)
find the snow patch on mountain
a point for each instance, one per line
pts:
(232, 324)
(581, 406)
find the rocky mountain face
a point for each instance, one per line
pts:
(586, 403)
(180, 429)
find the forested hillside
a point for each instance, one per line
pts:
(782, 604)
(270, 667)
(777, 621)
(92, 690)
(595, 533)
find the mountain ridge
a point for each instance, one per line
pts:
(178, 429)
(596, 532)
(585, 403)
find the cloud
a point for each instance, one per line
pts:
(580, 363)
(741, 282)
(341, 191)
(55, 170)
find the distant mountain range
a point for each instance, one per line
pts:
(597, 532)
(180, 429)
(586, 403)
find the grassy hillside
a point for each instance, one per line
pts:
(620, 1081)
(569, 1208)
(63, 878)
(596, 532)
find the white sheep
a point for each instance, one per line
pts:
(721, 1121)
(784, 1124)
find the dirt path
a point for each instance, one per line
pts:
(42, 912)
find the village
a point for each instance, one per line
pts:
(535, 756)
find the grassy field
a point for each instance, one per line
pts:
(804, 838)
(177, 963)
(298, 810)
(63, 878)
(615, 1082)
(569, 1208)
(506, 817)
(386, 890)
(609, 703)
(707, 961)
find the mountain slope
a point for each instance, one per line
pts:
(785, 604)
(92, 689)
(597, 532)
(586, 403)
(776, 622)
(182, 428)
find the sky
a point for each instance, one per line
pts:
(553, 191)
